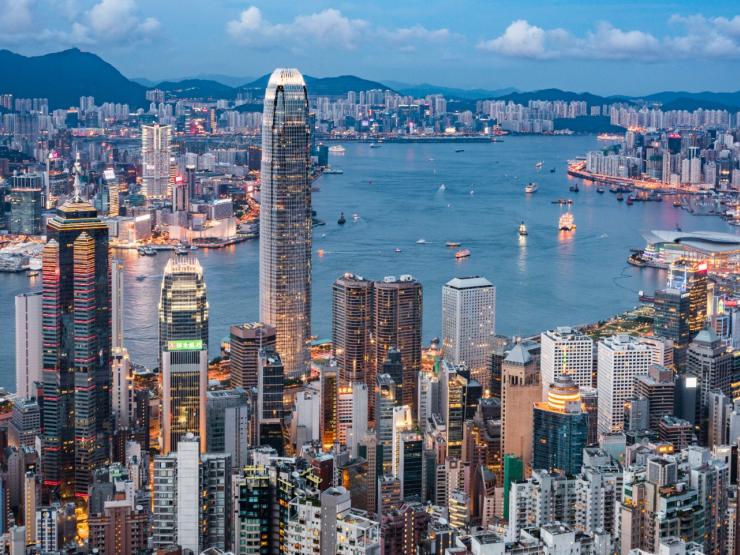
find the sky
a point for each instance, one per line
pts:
(605, 47)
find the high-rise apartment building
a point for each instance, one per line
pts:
(28, 344)
(183, 340)
(397, 317)
(285, 218)
(566, 351)
(469, 324)
(246, 342)
(621, 359)
(352, 311)
(659, 388)
(156, 151)
(270, 408)
(76, 317)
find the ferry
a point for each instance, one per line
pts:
(636, 259)
(146, 251)
(453, 244)
(333, 171)
(33, 273)
(337, 149)
(342, 220)
(609, 137)
(523, 229)
(566, 223)
(462, 253)
(531, 187)
(538, 165)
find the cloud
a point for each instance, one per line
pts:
(327, 28)
(16, 16)
(115, 22)
(702, 38)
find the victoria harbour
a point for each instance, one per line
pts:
(393, 197)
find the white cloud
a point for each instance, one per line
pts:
(702, 38)
(328, 28)
(106, 22)
(16, 16)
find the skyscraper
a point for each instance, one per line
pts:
(27, 343)
(352, 311)
(26, 203)
(117, 303)
(397, 317)
(155, 160)
(566, 351)
(246, 342)
(270, 409)
(520, 389)
(560, 429)
(183, 340)
(621, 359)
(77, 347)
(285, 218)
(469, 324)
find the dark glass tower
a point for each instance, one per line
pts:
(76, 349)
(560, 429)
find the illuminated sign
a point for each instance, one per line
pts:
(178, 179)
(702, 267)
(691, 381)
(185, 345)
(109, 174)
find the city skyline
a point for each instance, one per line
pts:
(558, 44)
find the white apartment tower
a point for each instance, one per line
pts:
(565, 350)
(469, 324)
(27, 343)
(621, 359)
(155, 160)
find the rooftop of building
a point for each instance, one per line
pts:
(470, 282)
(706, 241)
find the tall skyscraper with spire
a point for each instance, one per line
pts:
(76, 316)
(285, 218)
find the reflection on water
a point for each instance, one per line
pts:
(542, 280)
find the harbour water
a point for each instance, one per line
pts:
(545, 279)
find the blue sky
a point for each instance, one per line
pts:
(602, 46)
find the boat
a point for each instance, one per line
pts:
(531, 187)
(677, 204)
(630, 200)
(140, 278)
(442, 187)
(375, 145)
(620, 197)
(193, 247)
(523, 229)
(421, 242)
(538, 165)
(342, 220)
(333, 171)
(181, 249)
(462, 253)
(452, 244)
(573, 188)
(146, 251)
(600, 190)
(398, 250)
(552, 170)
(636, 260)
(337, 149)
(460, 150)
(566, 222)
(356, 217)
(33, 273)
